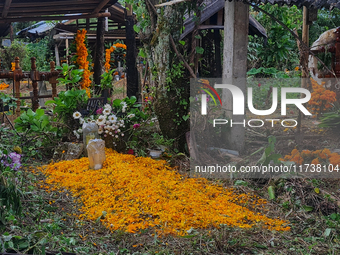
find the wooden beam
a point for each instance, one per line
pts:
(170, 3)
(131, 54)
(64, 4)
(202, 27)
(99, 52)
(6, 8)
(100, 6)
(82, 16)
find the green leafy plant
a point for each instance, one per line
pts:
(34, 122)
(269, 153)
(8, 101)
(71, 76)
(107, 78)
(10, 194)
(68, 102)
(8, 54)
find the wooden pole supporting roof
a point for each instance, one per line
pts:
(23, 10)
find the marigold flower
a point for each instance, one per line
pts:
(139, 193)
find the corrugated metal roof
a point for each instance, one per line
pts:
(311, 4)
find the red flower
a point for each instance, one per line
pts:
(130, 151)
(259, 85)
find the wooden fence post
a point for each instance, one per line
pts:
(34, 78)
(17, 76)
(53, 79)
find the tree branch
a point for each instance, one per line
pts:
(181, 57)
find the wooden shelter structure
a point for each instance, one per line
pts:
(29, 10)
(212, 20)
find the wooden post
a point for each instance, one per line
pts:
(218, 60)
(16, 74)
(131, 53)
(56, 51)
(304, 54)
(53, 79)
(236, 21)
(34, 78)
(66, 45)
(87, 24)
(11, 33)
(99, 56)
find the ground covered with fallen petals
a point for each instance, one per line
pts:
(133, 193)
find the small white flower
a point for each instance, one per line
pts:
(110, 133)
(106, 111)
(131, 115)
(100, 131)
(81, 120)
(112, 118)
(122, 134)
(91, 117)
(76, 115)
(106, 131)
(123, 126)
(116, 136)
(76, 134)
(107, 106)
(101, 120)
(118, 130)
(80, 131)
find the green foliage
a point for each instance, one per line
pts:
(71, 76)
(37, 122)
(263, 72)
(8, 100)
(8, 54)
(175, 72)
(326, 20)
(269, 153)
(68, 102)
(330, 119)
(10, 194)
(281, 49)
(40, 50)
(107, 79)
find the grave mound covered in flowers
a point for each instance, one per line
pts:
(134, 193)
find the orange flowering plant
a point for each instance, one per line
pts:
(323, 156)
(321, 99)
(3, 86)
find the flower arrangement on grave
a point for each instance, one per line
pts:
(117, 122)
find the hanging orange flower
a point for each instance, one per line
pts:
(13, 66)
(82, 60)
(108, 54)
